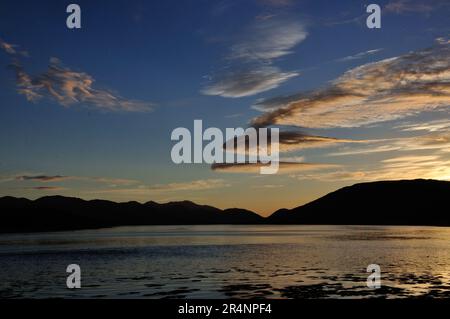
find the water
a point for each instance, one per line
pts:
(228, 261)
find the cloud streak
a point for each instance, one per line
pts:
(60, 178)
(288, 141)
(254, 168)
(42, 178)
(240, 83)
(196, 185)
(359, 55)
(433, 126)
(47, 188)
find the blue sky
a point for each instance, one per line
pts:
(151, 66)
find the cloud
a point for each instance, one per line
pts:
(361, 19)
(196, 185)
(67, 87)
(402, 167)
(254, 168)
(107, 185)
(288, 141)
(415, 6)
(410, 159)
(240, 83)
(144, 190)
(268, 186)
(295, 159)
(47, 188)
(110, 181)
(432, 126)
(234, 115)
(332, 176)
(359, 55)
(442, 40)
(59, 178)
(250, 68)
(12, 49)
(268, 40)
(277, 3)
(293, 141)
(42, 178)
(7, 47)
(372, 93)
(437, 141)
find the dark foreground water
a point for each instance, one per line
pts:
(228, 261)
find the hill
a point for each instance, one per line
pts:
(407, 202)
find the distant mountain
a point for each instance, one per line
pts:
(56, 213)
(408, 202)
(415, 202)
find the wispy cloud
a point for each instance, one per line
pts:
(196, 185)
(250, 61)
(110, 181)
(268, 186)
(157, 189)
(352, 20)
(410, 159)
(372, 93)
(42, 178)
(359, 55)
(234, 115)
(402, 167)
(47, 188)
(67, 87)
(268, 40)
(432, 126)
(239, 83)
(408, 6)
(438, 141)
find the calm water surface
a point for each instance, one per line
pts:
(228, 261)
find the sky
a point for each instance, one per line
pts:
(89, 112)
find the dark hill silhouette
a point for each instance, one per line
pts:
(416, 202)
(54, 213)
(407, 202)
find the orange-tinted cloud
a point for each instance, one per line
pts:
(372, 93)
(254, 168)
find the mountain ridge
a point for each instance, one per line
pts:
(403, 202)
